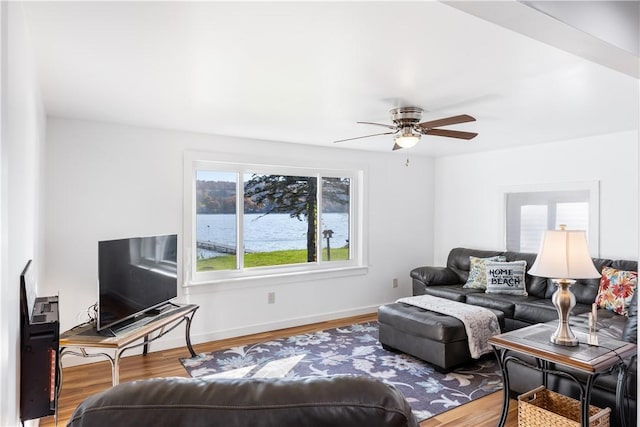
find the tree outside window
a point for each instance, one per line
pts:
(272, 220)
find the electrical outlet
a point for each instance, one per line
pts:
(395, 282)
(271, 298)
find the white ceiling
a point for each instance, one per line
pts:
(306, 72)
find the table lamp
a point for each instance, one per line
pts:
(563, 257)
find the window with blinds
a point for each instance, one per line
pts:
(529, 214)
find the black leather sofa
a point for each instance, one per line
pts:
(536, 307)
(339, 401)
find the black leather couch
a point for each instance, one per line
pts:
(536, 307)
(339, 401)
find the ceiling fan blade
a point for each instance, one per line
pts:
(396, 147)
(378, 124)
(462, 118)
(366, 136)
(451, 133)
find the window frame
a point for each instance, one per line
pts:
(194, 161)
(591, 187)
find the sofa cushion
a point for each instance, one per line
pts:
(506, 277)
(453, 292)
(605, 382)
(478, 272)
(623, 264)
(610, 382)
(504, 303)
(608, 325)
(616, 289)
(630, 333)
(538, 311)
(434, 276)
(536, 286)
(542, 310)
(458, 260)
(584, 290)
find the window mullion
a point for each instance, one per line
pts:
(318, 219)
(240, 220)
(551, 215)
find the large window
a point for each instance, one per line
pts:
(529, 213)
(255, 220)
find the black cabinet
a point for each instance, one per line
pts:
(39, 371)
(39, 342)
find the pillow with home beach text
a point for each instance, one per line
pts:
(506, 277)
(477, 272)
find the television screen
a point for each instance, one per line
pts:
(135, 275)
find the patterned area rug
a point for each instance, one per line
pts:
(352, 350)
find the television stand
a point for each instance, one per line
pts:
(76, 341)
(140, 320)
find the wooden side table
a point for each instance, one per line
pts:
(82, 338)
(592, 360)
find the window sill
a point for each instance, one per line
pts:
(254, 280)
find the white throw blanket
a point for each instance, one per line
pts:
(479, 322)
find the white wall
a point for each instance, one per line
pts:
(21, 233)
(468, 190)
(111, 181)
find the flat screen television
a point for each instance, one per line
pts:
(135, 275)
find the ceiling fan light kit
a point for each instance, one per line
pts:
(407, 138)
(408, 130)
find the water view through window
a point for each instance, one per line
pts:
(279, 220)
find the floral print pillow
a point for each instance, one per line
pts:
(477, 272)
(616, 289)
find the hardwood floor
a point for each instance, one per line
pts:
(82, 381)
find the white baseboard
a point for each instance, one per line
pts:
(281, 324)
(167, 343)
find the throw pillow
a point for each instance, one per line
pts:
(477, 272)
(616, 289)
(506, 277)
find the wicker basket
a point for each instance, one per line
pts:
(544, 408)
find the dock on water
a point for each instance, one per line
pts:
(218, 247)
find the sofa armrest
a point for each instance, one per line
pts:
(431, 276)
(630, 333)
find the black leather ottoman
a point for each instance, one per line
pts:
(433, 337)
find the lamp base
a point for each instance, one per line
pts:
(564, 300)
(564, 336)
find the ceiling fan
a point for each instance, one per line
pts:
(408, 130)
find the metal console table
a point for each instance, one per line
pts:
(592, 360)
(169, 318)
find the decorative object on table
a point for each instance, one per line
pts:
(564, 257)
(593, 321)
(352, 350)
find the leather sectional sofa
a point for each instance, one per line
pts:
(339, 401)
(519, 311)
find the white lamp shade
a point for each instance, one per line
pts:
(564, 254)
